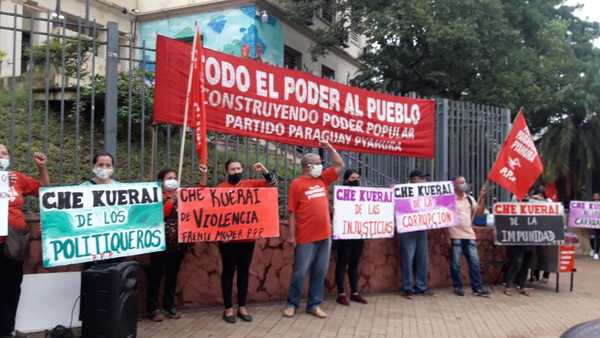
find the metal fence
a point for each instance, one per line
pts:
(84, 87)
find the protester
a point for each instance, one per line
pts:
(414, 255)
(463, 238)
(348, 255)
(595, 234)
(13, 248)
(519, 260)
(167, 263)
(103, 169)
(236, 256)
(310, 229)
(538, 194)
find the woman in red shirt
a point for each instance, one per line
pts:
(11, 261)
(237, 255)
(167, 263)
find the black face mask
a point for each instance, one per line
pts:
(353, 183)
(235, 178)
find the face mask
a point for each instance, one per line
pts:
(103, 173)
(171, 184)
(316, 170)
(355, 183)
(463, 187)
(235, 178)
(4, 163)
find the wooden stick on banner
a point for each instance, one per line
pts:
(187, 101)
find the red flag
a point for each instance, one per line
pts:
(552, 191)
(196, 101)
(518, 165)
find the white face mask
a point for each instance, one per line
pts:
(103, 173)
(316, 170)
(4, 163)
(464, 187)
(171, 184)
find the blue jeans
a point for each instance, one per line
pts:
(467, 247)
(313, 257)
(413, 254)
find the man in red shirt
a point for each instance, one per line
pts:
(310, 229)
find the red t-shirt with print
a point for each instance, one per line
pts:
(308, 200)
(21, 187)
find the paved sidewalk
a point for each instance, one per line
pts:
(545, 314)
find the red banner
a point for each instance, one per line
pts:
(248, 98)
(227, 214)
(518, 165)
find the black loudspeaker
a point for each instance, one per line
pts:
(108, 300)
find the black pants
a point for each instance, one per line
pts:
(595, 241)
(535, 275)
(348, 257)
(11, 272)
(520, 261)
(167, 264)
(236, 258)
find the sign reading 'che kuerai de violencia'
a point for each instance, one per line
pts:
(96, 222)
(227, 214)
(529, 223)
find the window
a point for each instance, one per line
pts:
(292, 58)
(327, 73)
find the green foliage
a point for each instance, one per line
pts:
(534, 54)
(130, 108)
(55, 52)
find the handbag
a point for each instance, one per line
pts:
(17, 244)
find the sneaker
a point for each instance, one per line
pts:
(596, 257)
(482, 293)
(317, 312)
(544, 280)
(343, 300)
(173, 314)
(592, 252)
(459, 292)
(289, 311)
(355, 297)
(427, 293)
(229, 318)
(408, 295)
(157, 316)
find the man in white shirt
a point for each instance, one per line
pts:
(462, 238)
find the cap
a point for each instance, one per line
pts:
(418, 173)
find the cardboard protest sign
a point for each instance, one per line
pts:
(96, 222)
(584, 215)
(4, 197)
(424, 206)
(361, 212)
(529, 223)
(226, 214)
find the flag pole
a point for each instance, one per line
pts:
(187, 101)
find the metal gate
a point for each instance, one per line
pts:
(84, 87)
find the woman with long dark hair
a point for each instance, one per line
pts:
(349, 252)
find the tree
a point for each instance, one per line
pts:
(536, 54)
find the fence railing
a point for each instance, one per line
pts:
(70, 100)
